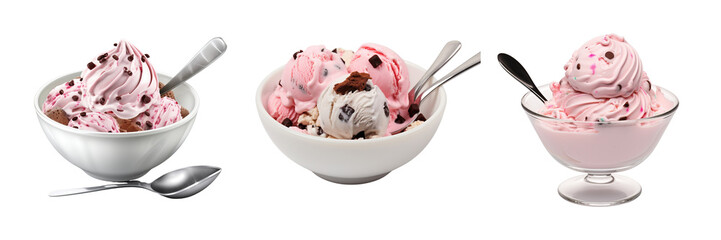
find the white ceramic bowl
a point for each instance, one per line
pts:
(117, 156)
(352, 161)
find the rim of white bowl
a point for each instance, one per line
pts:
(57, 125)
(659, 116)
(440, 101)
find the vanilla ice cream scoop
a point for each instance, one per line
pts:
(353, 108)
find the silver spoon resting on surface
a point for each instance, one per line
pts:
(417, 98)
(181, 183)
(516, 70)
(207, 55)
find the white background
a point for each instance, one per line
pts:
(484, 175)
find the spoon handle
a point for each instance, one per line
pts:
(517, 71)
(207, 55)
(73, 191)
(446, 54)
(468, 64)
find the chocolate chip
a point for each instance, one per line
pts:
(137, 123)
(118, 98)
(61, 91)
(421, 117)
(115, 57)
(146, 113)
(71, 83)
(287, 122)
(375, 61)
(625, 104)
(149, 124)
(325, 72)
(361, 134)
(142, 58)
(345, 112)
(75, 118)
(342, 61)
(295, 55)
(110, 131)
(385, 109)
(103, 57)
(81, 79)
(609, 55)
(622, 118)
(367, 87)
(115, 44)
(335, 50)
(322, 50)
(130, 58)
(83, 114)
(147, 56)
(145, 99)
(413, 109)
(279, 82)
(80, 92)
(75, 98)
(91, 65)
(619, 87)
(400, 119)
(102, 101)
(649, 85)
(586, 119)
(76, 127)
(320, 131)
(578, 66)
(302, 126)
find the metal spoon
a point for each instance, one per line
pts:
(416, 102)
(207, 55)
(515, 69)
(181, 183)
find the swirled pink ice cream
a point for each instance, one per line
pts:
(387, 70)
(117, 91)
(604, 81)
(121, 81)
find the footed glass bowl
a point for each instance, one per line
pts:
(599, 149)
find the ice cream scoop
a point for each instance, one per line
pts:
(387, 70)
(164, 112)
(94, 121)
(306, 75)
(67, 96)
(605, 67)
(354, 108)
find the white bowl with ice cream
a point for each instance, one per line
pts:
(352, 161)
(117, 156)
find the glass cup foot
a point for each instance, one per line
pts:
(599, 190)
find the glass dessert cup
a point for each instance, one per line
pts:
(599, 149)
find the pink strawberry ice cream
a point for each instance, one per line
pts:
(388, 71)
(604, 81)
(305, 76)
(117, 92)
(164, 112)
(67, 96)
(121, 81)
(93, 121)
